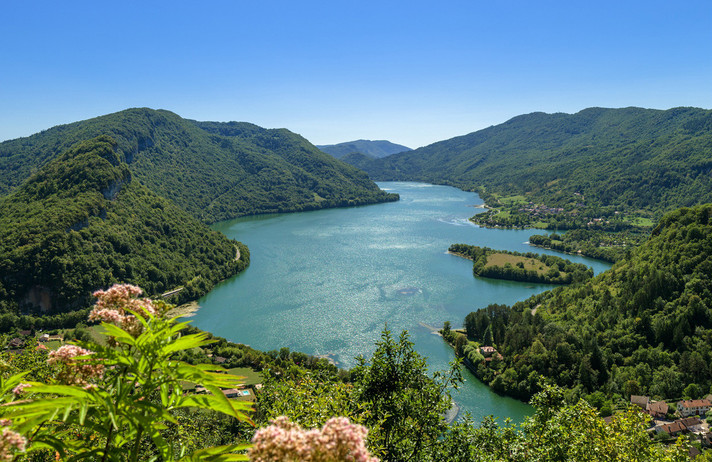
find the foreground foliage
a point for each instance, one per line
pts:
(559, 432)
(126, 400)
(119, 401)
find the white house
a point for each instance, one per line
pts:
(693, 407)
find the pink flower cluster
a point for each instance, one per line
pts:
(338, 440)
(20, 388)
(112, 306)
(10, 442)
(75, 371)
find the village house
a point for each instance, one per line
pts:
(693, 407)
(640, 401)
(228, 392)
(232, 392)
(15, 344)
(51, 338)
(490, 353)
(655, 409)
(687, 425)
(487, 351)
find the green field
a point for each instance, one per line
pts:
(513, 200)
(501, 259)
(251, 377)
(640, 221)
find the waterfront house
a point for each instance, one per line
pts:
(487, 351)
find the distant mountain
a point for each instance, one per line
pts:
(627, 159)
(83, 222)
(214, 171)
(374, 149)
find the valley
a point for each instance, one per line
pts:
(350, 275)
(128, 197)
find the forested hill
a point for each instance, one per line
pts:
(643, 327)
(83, 222)
(212, 170)
(374, 149)
(629, 159)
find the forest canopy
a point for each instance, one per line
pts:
(84, 222)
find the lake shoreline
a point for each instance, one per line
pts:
(320, 274)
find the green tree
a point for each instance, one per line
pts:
(404, 405)
(692, 391)
(309, 401)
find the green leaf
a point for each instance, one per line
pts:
(218, 454)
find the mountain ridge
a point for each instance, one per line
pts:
(83, 222)
(631, 159)
(213, 170)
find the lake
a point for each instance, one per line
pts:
(327, 282)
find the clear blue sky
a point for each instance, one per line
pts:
(408, 71)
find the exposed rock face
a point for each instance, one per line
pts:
(41, 297)
(111, 191)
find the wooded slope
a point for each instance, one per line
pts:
(643, 327)
(214, 171)
(629, 159)
(83, 222)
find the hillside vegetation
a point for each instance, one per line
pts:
(643, 327)
(599, 168)
(83, 222)
(212, 170)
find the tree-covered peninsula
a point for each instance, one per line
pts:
(643, 327)
(84, 221)
(214, 171)
(524, 267)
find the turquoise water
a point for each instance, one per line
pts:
(327, 282)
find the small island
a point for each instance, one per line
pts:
(523, 267)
